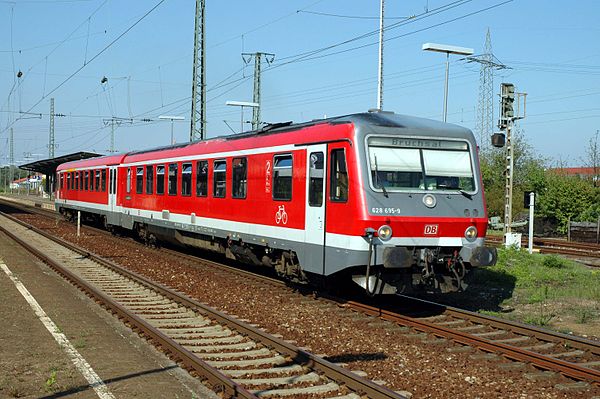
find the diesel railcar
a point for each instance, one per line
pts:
(394, 203)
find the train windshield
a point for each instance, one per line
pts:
(420, 164)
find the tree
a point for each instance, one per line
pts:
(528, 174)
(592, 158)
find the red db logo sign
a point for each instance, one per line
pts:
(431, 229)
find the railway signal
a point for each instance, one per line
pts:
(507, 112)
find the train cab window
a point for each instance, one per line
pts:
(128, 188)
(398, 164)
(219, 179)
(160, 179)
(149, 179)
(315, 175)
(282, 177)
(339, 176)
(448, 170)
(172, 179)
(97, 180)
(202, 178)
(139, 180)
(186, 179)
(103, 180)
(239, 185)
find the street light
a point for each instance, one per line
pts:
(242, 104)
(171, 118)
(444, 48)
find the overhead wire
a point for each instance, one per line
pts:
(94, 57)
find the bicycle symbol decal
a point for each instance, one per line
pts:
(281, 216)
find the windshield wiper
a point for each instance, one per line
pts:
(460, 190)
(377, 179)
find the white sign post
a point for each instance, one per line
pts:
(531, 209)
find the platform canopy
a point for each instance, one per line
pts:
(48, 166)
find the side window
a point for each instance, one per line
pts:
(339, 176)
(128, 180)
(149, 179)
(315, 175)
(186, 179)
(239, 180)
(103, 180)
(92, 180)
(282, 177)
(68, 181)
(139, 180)
(86, 177)
(202, 178)
(219, 176)
(160, 179)
(80, 181)
(172, 179)
(97, 180)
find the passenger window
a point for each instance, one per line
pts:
(68, 181)
(186, 179)
(86, 176)
(149, 179)
(173, 179)
(202, 178)
(315, 175)
(139, 180)
(219, 176)
(160, 179)
(128, 180)
(97, 180)
(91, 180)
(103, 181)
(282, 177)
(239, 180)
(339, 176)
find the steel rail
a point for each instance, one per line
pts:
(229, 388)
(571, 370)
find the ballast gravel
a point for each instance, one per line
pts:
(400, 359)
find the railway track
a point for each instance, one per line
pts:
(574, 357)
(556, 246)
(237, 359)
(553, 353)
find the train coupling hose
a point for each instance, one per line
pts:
(370, 234)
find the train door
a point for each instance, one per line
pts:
(314, 231)
(112, 188)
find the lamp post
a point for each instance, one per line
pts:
(242, 104)
(444, 48)
(172, 118)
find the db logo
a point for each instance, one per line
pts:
(431, 229)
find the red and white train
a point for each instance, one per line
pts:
(391, 201)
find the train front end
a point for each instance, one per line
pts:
(425, 219)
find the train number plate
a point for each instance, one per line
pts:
(431, 229)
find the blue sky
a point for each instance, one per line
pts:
(63, 48)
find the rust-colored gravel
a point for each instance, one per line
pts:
(425, 369)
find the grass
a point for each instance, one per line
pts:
(544, 288)
(547, 276)
(51, 381)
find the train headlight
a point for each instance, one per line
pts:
(429, 200)
(471, 233)
(384, 233)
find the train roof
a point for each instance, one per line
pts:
(373, 121)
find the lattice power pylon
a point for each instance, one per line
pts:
(485, 106)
